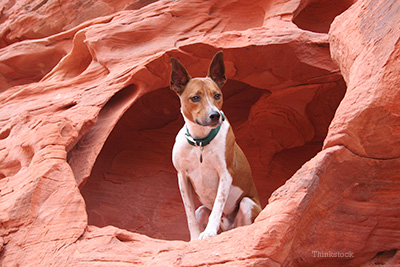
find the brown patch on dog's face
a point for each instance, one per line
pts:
(201, 98)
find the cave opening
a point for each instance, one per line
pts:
(317, 15)
(133, 183)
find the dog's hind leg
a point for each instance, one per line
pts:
(248, 211)
(227, 222)
(202, 214)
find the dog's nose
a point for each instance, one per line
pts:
(214, 116)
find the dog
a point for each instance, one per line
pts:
(207, 158)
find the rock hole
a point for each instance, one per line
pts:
(139, 4)
(27, 153)
(133, 184)
(82, 155)
(10, 166)
(68, 106)
(124, 236)
(74, 63)
(317, 15)
(383, 257)
(4, 134)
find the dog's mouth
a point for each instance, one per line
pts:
(211, 124)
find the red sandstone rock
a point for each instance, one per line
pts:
(87, 124)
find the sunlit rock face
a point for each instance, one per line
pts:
(87, 125)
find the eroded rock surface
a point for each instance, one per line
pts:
(87, 124)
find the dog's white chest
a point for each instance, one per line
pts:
(202, 173)
(205, 175)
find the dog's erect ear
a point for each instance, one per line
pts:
(217, 69)
(179, 76)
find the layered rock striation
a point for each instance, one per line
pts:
(87, 124)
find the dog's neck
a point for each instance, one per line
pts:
(196, 131)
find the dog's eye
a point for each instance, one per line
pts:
(217, 96)
(195, 98)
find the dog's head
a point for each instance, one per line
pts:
(201, 98)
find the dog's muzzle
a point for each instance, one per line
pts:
(214, 119)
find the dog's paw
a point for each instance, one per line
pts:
(207, 233)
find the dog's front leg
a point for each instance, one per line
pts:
(186, 189)
(214, 221)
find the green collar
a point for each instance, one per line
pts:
(202, 142)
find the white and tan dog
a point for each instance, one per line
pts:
(207, 158)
